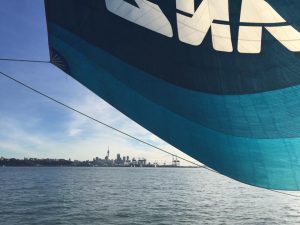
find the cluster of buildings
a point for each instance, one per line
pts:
(121, 161)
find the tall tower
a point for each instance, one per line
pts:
(107, 155)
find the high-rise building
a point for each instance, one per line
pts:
(142, 162)
(118, 160)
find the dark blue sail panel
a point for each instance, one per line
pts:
(225, 91)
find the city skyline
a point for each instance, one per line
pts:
(110, 155)
(32, 126)
(98, 161)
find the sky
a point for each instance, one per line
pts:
(33, 126)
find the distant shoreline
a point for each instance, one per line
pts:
(96, 162)
(22, 166)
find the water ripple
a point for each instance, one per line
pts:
(136, 196)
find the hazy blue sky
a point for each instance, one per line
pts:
(32, 126)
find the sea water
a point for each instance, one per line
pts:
(62, 195)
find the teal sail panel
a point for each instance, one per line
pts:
(233, 104)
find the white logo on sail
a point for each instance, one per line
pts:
(193, 29)
(147, 15)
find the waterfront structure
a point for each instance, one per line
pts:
(175, 161)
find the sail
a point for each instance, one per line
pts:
(218, 79)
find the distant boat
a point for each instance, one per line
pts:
(218, 81)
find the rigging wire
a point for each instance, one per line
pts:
(25, 60)
(116, 129)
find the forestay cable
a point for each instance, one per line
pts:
(24, 60)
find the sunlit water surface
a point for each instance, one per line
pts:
(136, 196)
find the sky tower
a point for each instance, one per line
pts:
(107, 156)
